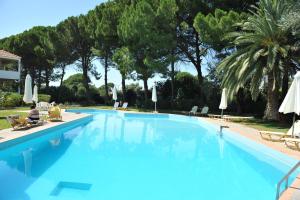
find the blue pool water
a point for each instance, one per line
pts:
(118, 156)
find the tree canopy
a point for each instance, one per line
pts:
(247, 47)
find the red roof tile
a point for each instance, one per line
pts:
(8, 55)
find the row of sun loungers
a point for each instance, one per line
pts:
(291, 141)
(123, 107)
(204, 110)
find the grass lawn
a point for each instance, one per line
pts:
(4, 113)
(264, 125)
(254, 123)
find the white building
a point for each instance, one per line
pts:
(10, 66)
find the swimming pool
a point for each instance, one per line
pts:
(117, 155)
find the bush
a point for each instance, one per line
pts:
(8, 99)
(44, 97)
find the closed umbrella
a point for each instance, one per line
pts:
(27, 98)
(223, 103)
(154, 95)
(35, 97)
(115, 95)
(291, 102)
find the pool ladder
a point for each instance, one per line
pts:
(286, 179)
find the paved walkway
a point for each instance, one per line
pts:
(7, 135)
(293, 193)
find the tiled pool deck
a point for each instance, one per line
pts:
(293, 193)
(9, 135)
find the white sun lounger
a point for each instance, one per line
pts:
(194, 110)
(279, 136)
(116, 105)
(204, 111)
(124, 106)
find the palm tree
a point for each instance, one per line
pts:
(262, 48)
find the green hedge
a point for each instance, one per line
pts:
(12, 99)
(44, 97)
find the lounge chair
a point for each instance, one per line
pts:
(19, 123)
(124, 106)
(279, 136)
(116, 105)
(54, 114)
(292, 143)
(204, 111)
(193, 110)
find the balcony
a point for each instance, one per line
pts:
(10, 66)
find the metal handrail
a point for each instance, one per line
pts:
(286, 179)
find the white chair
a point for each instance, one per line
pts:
(194, 110)
(204, 110)
(43, 108)
(124, 106)
(116, 105)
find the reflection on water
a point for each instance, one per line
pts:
(27, 155)
(115, 133)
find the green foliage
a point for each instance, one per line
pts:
(148, 42)
(44, 97)
(81, 42)
(213, 27)
(102, 88)
(124, 61)
(8, 99)
(262, 49)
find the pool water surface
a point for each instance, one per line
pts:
(123, 156)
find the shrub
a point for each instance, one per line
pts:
(10, 99)
(44, 97)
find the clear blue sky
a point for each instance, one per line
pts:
(19, 15)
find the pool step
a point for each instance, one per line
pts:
(70, 185)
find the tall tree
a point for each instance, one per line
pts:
(104, 20)
(76, 29)
(192, 48)
(64, 55)
(124, 63)
(148, 43)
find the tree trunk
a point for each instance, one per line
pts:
(39, 79)
(33, 76)
(172, 75)
(285, 82)
(145, 79)
(85, 77)
(123, 88)
(47, 78)
(62, 75)
(198, 60)
(61, 81)
(271, 112)
(105, 76)
(239, 101)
